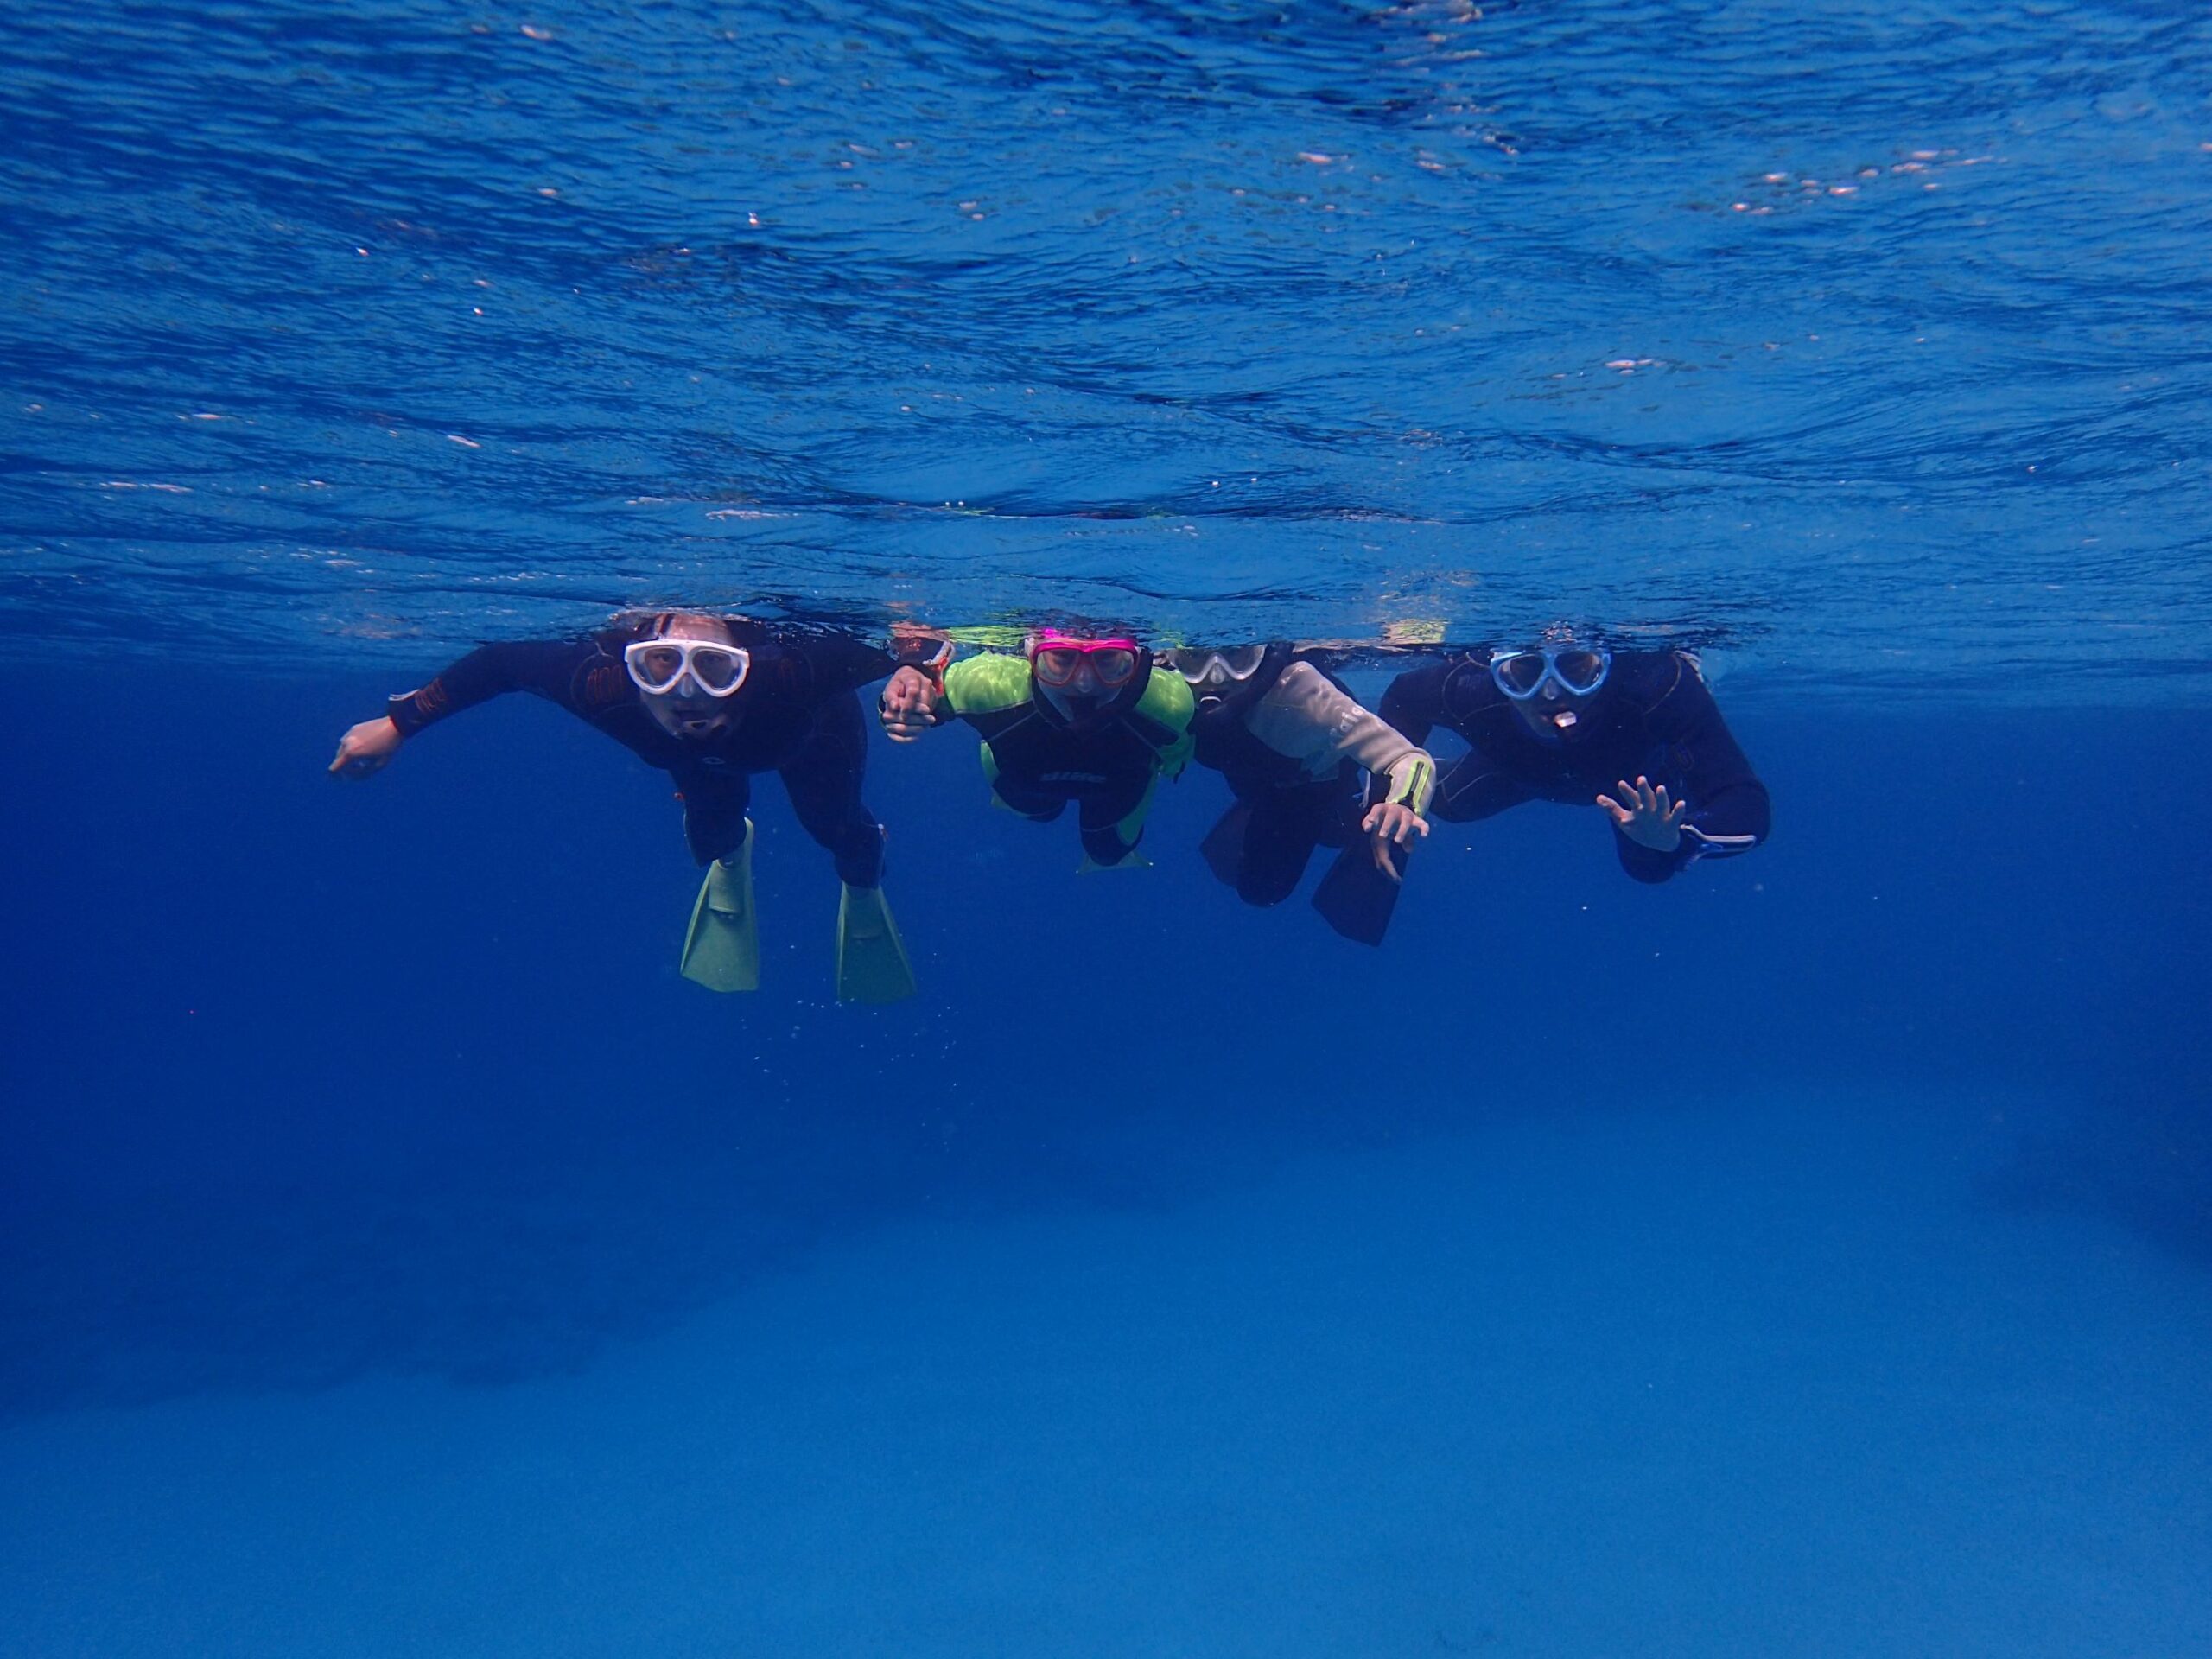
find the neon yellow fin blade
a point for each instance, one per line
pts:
(872, 965)
(722, 951)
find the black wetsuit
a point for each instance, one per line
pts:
(1653, 717)
(1263, 842)
(797, 715)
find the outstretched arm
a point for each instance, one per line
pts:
(844, 662)
(540, 666)
(1399, 795)
(1304, 715)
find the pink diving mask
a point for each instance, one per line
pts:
(1056, 658)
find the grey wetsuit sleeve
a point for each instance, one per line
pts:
(1309, 719)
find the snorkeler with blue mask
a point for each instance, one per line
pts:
(1635, 733)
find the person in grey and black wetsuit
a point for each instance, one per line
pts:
(1295, 748)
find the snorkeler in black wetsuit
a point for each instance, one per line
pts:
(1568, 723)
(795, 712)
(711, 701)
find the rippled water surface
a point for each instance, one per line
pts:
(1866, 343)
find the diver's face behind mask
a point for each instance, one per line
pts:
(1216, 673)
(697, 701)
(1551, 686)
(1077, 679)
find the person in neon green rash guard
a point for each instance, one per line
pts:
(1073, 718)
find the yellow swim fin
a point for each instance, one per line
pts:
(872, 965)
(722, 951)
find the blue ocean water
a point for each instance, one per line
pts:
(1810, 1256)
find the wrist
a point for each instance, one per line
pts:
(404, 716)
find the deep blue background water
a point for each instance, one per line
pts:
(397, 1255)
(310, 1079)
(1814, 1254)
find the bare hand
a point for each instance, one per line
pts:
(1643, 815)
(908, 705)
(367, 748)
(1390, 825)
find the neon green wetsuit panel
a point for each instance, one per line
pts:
(1036, 764)
(1168, 700)
(980, 688)
(987, 685)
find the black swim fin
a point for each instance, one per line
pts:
(1223, 847)
(1357, 899)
